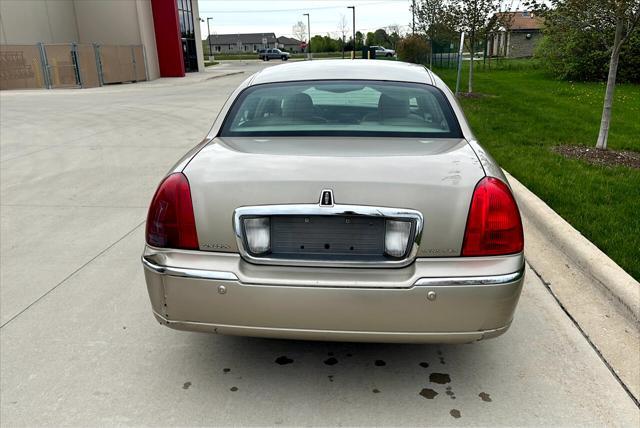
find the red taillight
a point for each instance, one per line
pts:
(170, 223)
(494, 226)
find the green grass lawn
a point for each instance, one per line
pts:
(526, 112)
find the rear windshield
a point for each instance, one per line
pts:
(342, 108)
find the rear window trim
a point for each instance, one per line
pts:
(455, 132)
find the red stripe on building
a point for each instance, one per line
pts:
(168, 39)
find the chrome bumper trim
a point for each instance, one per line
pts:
(335, 335)
(188, 273)
(471, 280)
(334, 210)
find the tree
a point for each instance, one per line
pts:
(300, 31)
(380, 37)
(393, 33)
(474, 17)
(613, 22)
(343, 29)
(359, 40)
(370, 40)
(430, 16)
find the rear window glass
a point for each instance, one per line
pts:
(342, 108)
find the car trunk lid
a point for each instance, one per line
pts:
(434, 176)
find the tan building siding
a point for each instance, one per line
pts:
(28, 22)
(108, 22)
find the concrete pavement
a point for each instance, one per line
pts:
(79, 346)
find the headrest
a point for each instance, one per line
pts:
(297, 105)
(389, 107)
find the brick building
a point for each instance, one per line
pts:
(517, 35)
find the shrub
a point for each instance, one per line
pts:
(413, 49)
(581, 54)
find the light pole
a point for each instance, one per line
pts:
(209, 38)
(309, 30)
(353, 54)
(413, 16)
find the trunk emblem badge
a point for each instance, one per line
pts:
(326, 198)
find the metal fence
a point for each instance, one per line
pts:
(70, 65)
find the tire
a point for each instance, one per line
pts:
(266, 58)
(388, 54)
(284, 57)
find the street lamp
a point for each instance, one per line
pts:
(353, 54)
(309, 30)
(209, 38)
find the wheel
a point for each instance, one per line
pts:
(266, 58)
(388, 54)
(284, 57)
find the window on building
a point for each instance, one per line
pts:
(187, 34)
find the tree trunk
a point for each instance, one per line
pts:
(603, 135)
(472, 43)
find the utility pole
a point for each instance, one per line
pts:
(309, 30)
(413, 17)
(209, 38)
(353, 54)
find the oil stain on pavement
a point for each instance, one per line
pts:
(440, 378)
(331, 361)
(284, 360)
(428, 393)
(485, 397)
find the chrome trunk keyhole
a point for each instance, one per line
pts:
(222, 289)
(431, 295)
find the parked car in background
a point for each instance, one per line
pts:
(337, 200)
(267, 54)
(382, 51)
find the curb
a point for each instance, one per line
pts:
(231, 73)
(590, 259)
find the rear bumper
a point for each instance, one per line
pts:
(230, 296)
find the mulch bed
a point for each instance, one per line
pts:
(600, 157)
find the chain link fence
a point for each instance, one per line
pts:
(70, 65)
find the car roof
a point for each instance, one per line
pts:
(346, 69)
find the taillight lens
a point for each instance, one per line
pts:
(170, 223)
(494, 226)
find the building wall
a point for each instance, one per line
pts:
(148, 37)
(29, 22)
(198, 31)
(234, 48)
(107, 22)
(290, 48)
(520, 46)
(119, 23)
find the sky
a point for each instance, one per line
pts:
(279, 16)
